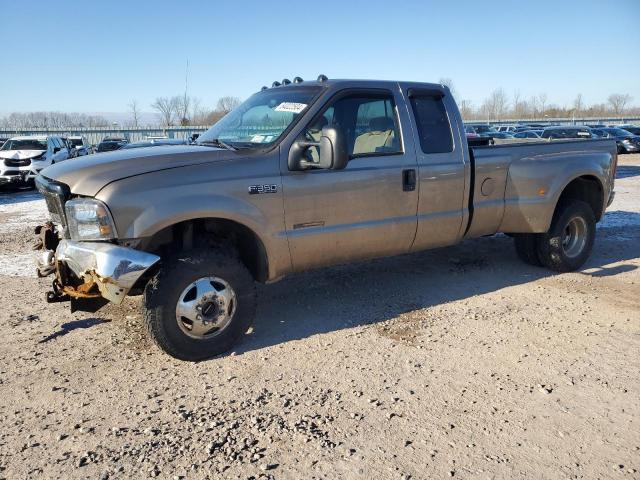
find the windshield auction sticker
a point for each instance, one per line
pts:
(290, 107)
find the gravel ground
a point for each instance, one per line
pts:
(458, 362)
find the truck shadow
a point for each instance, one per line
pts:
(71, 326)
(348, 296)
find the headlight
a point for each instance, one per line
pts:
(89, 219)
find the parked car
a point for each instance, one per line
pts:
(507, 128)
(502, 135)
(626, 141)
(22, 157)
(302, 176)
(475, 140)
(80, 144)
(484, 130)
(109, 144)
(635, 129)
(69, 146)
(155, 143)
(2, 140)
(566, 132)
(531, 126)
(528, 134)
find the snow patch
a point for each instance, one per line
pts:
(18, 265)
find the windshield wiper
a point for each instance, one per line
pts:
(216, 142)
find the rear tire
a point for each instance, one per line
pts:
(568, 243)
(228, 293)
(527, 248)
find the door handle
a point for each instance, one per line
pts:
(409, 180)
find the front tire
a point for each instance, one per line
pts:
(568, 243)
(199, 304)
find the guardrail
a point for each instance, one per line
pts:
(561, 120)
(95, 135)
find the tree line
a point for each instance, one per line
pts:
(52, 120)
(179, 110)
(499, 106)
(184, 110)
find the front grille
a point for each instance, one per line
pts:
(13, 162)
(55, 195)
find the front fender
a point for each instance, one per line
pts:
(144, 205)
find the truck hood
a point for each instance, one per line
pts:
(20, 154)
(88, 174)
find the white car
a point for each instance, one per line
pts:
(80, 145)
(507, 128)
(22, 158)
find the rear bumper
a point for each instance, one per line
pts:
(96, 269)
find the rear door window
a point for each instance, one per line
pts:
(432, 123)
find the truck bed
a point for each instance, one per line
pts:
(515, 186)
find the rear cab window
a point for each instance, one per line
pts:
(432, 123)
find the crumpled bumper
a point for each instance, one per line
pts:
(94, 269)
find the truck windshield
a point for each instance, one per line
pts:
(261, 119)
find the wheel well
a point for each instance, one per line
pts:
(588, 189)
(213, 233)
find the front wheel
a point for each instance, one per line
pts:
(568, 243)
(199, 304)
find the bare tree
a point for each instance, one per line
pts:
(226, 104)
(517, 103)
(618, 101)
(447, 82)
(495, 106)
(534, 106)
(466, 109)
(183, 108)
(578, 105)
(543, 102)
(135, 112)
(166, 108)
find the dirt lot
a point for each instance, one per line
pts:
(459, 362)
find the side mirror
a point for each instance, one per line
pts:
(56, 149)
(332, 151)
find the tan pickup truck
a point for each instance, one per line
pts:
(305, 174)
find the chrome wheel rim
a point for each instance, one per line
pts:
(575, 237)
(206, 307)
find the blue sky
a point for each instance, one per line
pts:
(97, 56)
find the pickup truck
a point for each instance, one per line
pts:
(302, 175)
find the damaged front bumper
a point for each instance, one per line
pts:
(95, 269)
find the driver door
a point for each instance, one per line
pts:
(369, 208)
